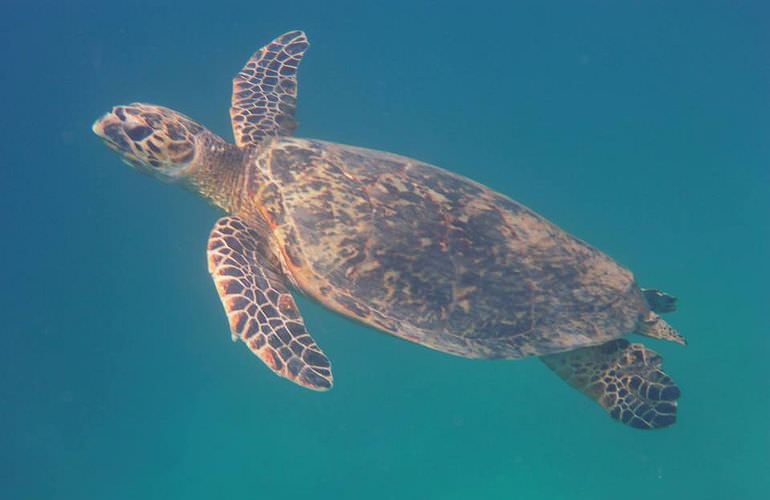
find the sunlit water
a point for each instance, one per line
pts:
(643, 130)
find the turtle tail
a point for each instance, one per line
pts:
(625, 379)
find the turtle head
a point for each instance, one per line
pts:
(153, 139)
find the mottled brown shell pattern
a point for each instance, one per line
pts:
(433, 257)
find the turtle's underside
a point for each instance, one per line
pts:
(397, 244)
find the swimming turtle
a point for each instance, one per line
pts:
(400, 245)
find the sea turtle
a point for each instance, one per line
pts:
(400, 245)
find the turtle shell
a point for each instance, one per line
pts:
(436, 258)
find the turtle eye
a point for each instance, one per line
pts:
(139, 132)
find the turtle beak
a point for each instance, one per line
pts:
(98, 126)
(101, 123)
(109, 130)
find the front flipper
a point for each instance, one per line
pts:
(624, 378)
(259, 307)
(265, 91)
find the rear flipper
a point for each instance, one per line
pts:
(659, 302)
(624, 378)
(653, 326)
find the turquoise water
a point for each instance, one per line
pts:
(643, 129)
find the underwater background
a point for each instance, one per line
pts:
(641, 127)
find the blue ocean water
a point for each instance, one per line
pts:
(642, 128)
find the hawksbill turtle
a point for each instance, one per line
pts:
(402, 246)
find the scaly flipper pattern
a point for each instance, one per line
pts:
(655, 327)
(624, 378)
(259, 307)
(265, 91)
